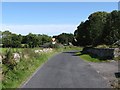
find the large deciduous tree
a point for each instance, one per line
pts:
(11, 40)
(112, 28)
(100, 28)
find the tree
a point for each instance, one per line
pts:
(64, 38)
(97, 23)
(6, 39)
(92, 31)
(32, 40)
(112, 28)
(82, 34)
(16, 41)
(45, 39)
(11, 40)
(0, 37)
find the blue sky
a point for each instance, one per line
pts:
(49, 17)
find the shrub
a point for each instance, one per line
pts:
(8, 62)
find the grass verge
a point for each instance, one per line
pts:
(88, 58)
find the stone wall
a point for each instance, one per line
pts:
(102, 53)
(117, 52)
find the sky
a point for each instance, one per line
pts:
(51, 18)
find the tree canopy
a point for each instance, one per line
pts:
(65, 38)
(31, 40)
(100, 28)
(10, 39)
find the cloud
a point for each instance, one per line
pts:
(40, 29)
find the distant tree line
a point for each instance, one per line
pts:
(100, 28)
(9, 39)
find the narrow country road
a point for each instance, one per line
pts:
(66, 70)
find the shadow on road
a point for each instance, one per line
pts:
(73, 53)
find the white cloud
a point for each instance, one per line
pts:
(40, 29)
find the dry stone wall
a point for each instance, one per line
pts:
(103, 53)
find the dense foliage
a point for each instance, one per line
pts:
(16, 41)
(100, 28)
(64, 38)
(9, 39)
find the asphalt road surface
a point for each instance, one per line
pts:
(66, 70)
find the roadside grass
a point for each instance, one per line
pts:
(26, 67)
(88, 58)
(68, 48)
(23, 70)
(0, 80)
(3, 50)
(0, 50)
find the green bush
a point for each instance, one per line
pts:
(8, 62)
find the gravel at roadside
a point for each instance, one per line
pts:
(107, 70)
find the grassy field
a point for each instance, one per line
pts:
(27, 66)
